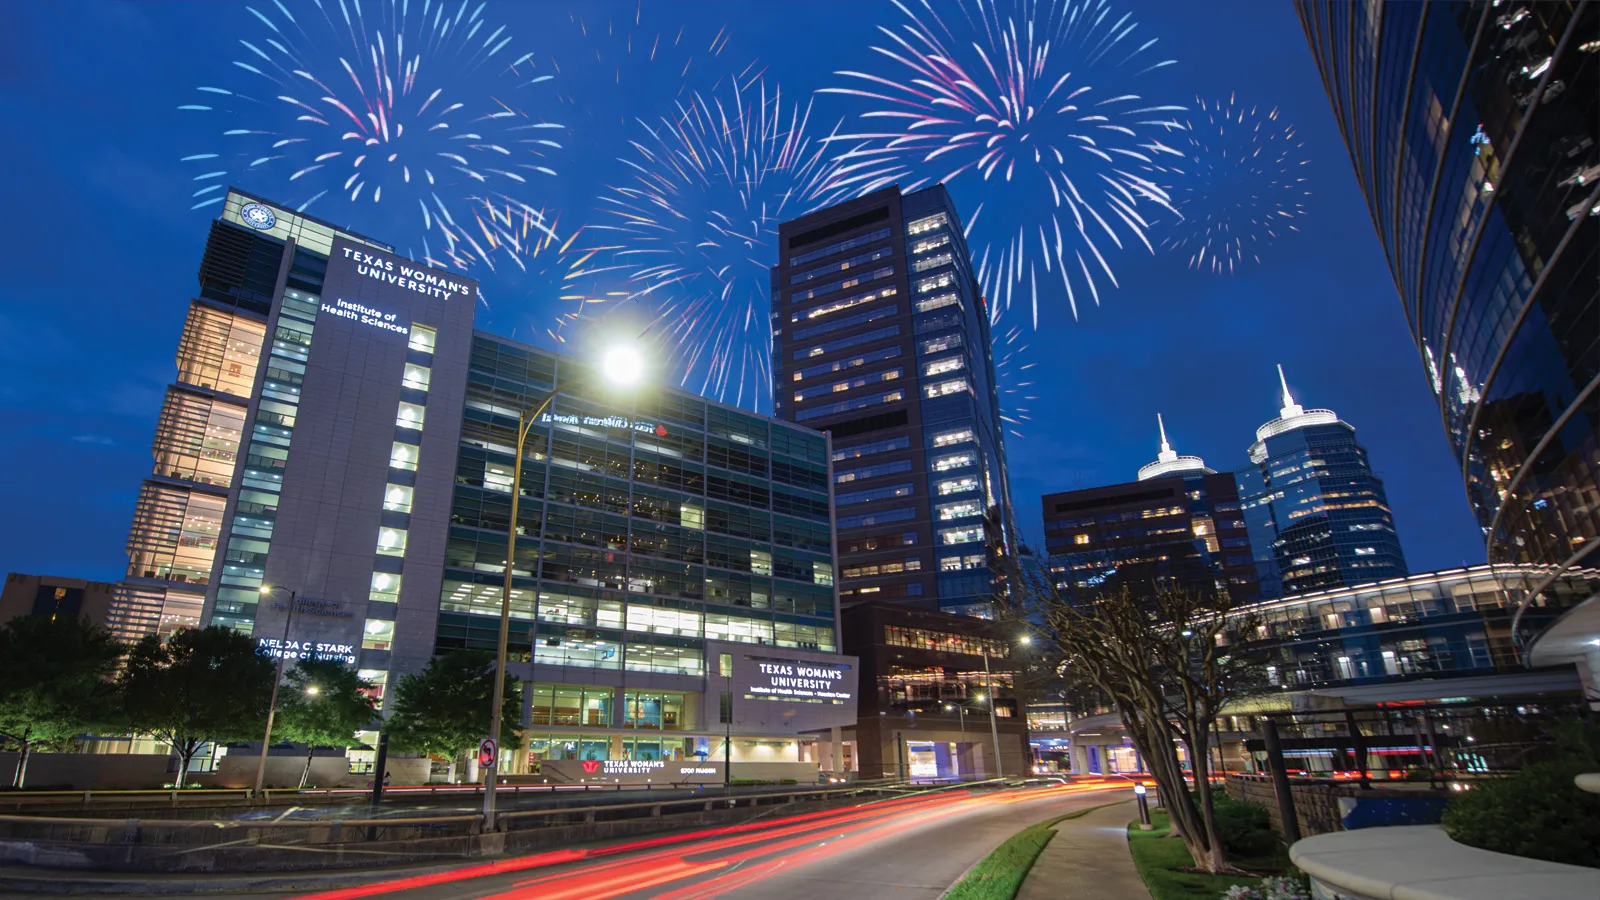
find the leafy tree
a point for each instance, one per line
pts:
(203, 684)
(54, 674)
(1169, 660)
(324, 704)
(444, 709)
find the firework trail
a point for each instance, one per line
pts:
(403, 107)
(1243, 184)
(1012, 381)
(692, 232)
(1015, 94)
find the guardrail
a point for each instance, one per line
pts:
(191, 832)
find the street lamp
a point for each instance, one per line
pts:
(623, 366)
(272, 706)
(994, 727)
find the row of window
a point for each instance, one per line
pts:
(859, 259)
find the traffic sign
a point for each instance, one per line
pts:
(487, 753)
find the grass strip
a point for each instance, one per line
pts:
(1000, 875)
(1158, 859)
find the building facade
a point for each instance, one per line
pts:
(1317, 517)
(927, 682)
(1179, 524)
(347, 496)
(47, 595)
(1423, 638)
(881, 338)
(1472, 127)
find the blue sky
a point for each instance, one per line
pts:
(104, 247)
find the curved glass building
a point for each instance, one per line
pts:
(1473, 131)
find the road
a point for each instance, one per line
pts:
(910, 848)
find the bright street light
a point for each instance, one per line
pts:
(312, 690)
(623, 366)
(1027, 639)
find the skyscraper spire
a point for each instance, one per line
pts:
(1166, 448)
(1168, 462)
(1290, 408)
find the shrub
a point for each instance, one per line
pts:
(1244, 827)
(1538, 813)
(1278, 887)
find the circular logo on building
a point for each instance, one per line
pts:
(661, 431)
(258, 217)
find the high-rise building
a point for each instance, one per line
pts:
(1179, 524)
(881, 338)
(341, 436)
(1310, 497)
(1472, 128)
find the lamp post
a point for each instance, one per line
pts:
(272, 705)
(994, 727)
(623, 366)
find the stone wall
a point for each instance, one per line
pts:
(1316, 806)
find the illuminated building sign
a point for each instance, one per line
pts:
(345, 653)
(640, 426)
(404, 274)
(1479, 140)
(799, 679)
(366, 315)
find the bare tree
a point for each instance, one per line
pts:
(1169, 660)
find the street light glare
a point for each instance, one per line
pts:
(312, 690)
(1027, 639)
(266, 589)
(623, 366)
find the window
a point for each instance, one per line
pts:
(725, 665)
(403, 456)
(960, 510)
(692, 517)
(760, 562)
(843, 264)
(942, 280)
(957, 485)
(839, 247)
(1080, 539)
(1366, 551)
(861, 318)
(822, 573)
(931, 243)
(938, 301)
(941, 366)
(953, 461)
(392, 542)
(843, 453)
(410, 416)
(932, 262)
(851, 363)
(946, 438)
(423, 338)
(416, 377)
(882, 517)
(847, 405)
(899, 465)
(819, 290)
(922, 226)
(884, 493)
(958, 563)
(961, 535)
(939, 344)
(377, 634)
(852, 341)
(893, 567)
(847, 384)
(385, 587)
(397, 498)
(945, 388)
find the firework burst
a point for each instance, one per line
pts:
(1013, 382)
(1243, 185)
(406, 107)
(690, 235)
(1015, 95)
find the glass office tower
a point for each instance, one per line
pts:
(342, 437)
(1310, 496)
(881, 338)
(1474, 130)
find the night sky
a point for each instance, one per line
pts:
(103, 245)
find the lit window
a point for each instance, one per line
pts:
(692, 516)
(377, 634)
(939, 344)
(937, 301)
(416, 377)
(423, 338)
(760, 562)
(378, 678)
(961, 535)
(957, 485)
(960, 510)
(822, 573)
(385, 587)
(397, 498)
(922, 226)
(403, 456)
(953, 461)
(1080, 539)
(946, 438)
(941, 366)
(1366, 551)
(410, 416)
(392, 541)
(945, 388)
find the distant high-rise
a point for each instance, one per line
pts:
(1317, 516)
(881, 337)
(1179, 525)
(1472, 128)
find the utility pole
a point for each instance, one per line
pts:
(994, 727)
(272, 705)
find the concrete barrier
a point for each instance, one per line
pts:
(1420, 861)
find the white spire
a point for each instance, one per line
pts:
(1167, 453)
(1290, 408)
(1168, 462)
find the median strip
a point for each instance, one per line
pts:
(999, 875)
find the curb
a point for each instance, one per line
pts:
(130, 883)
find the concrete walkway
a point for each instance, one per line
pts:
(1088, 859)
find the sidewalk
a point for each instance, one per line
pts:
(1088, 859)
